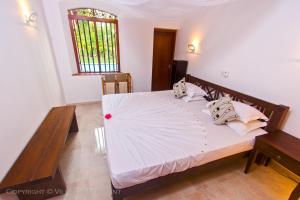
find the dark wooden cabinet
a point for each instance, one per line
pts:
(179, 68)
(281, 147)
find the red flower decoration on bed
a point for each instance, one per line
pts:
(108, 116)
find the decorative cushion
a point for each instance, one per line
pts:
(222, 111)
(179, 89)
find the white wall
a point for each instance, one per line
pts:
(257, 41)
(29, 84)
(136, 45)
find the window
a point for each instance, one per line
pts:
(95, 40)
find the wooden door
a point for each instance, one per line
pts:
(163, 55)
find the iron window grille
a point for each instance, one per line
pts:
(95, 40)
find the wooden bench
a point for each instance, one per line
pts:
(36, 174)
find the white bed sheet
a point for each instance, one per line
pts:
(153, 134)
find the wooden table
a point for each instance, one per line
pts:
(283, 148)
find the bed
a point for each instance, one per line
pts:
(152, 137)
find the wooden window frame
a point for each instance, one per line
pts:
(74, 18)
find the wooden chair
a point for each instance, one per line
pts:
(115, 83)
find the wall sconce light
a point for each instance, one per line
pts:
(31, 19)
(191, 48)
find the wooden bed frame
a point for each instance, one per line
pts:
(275, 113)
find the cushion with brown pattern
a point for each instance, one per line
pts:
(222, 111)
(179, 89)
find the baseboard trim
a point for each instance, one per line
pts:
(84, 103)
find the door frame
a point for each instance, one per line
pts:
(166, 30)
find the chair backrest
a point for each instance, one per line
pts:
(115, 83)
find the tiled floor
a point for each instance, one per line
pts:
(85, 171)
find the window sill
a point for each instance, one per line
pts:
(93, 74)
(86, 74)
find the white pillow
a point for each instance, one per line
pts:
(246, 113)
(193, 90)
(195, 98)
(210, 103)
(206, 111)
(242, 128)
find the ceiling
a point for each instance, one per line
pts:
(167, 9)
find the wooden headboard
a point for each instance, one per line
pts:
(275, 113)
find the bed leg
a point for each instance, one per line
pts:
(116, 194)
(250, 160)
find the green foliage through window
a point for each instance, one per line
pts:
(95, 40)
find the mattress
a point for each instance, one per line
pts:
(152, 134)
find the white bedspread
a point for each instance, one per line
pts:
(153, 134)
